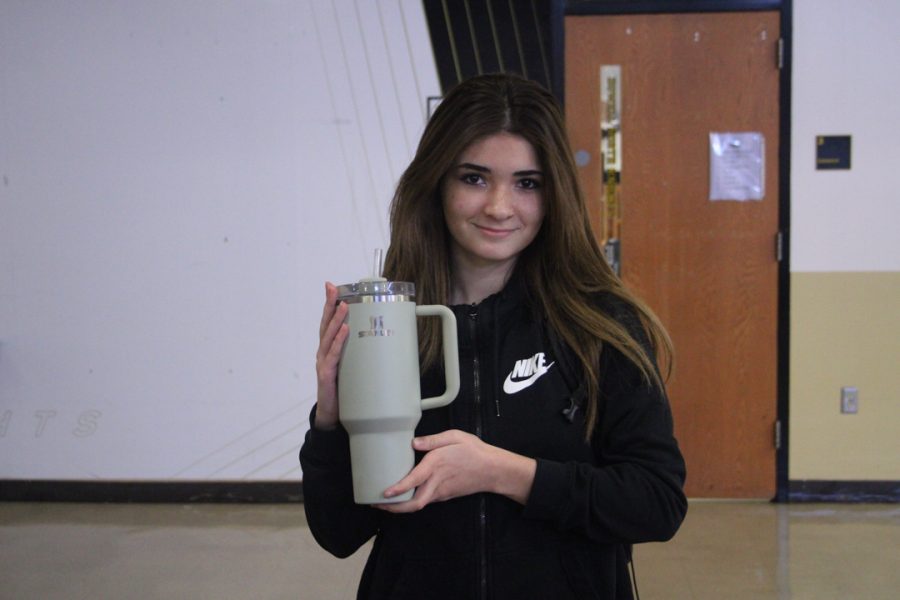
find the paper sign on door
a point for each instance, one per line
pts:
(737, 167)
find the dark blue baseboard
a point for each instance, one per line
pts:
(27, 490)
(844, 491)
(23, 490)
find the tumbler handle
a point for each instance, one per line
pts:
(451, 353)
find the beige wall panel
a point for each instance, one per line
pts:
(845, 331)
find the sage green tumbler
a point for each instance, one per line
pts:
(379, 395)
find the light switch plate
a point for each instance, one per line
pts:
(849, 400)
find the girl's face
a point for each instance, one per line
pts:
(493, 201)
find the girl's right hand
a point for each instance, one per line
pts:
(332, 334)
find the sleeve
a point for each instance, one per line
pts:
(338, 524)
(634, 490)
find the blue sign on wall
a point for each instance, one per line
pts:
(832, 152)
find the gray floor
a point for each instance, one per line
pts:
(725, 550)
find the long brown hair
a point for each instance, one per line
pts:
(564, 268)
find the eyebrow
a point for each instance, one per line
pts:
(483, 169)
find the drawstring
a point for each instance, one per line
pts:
(496, 362)
(575, 401)
(571, 374)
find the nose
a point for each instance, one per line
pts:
(499, 204)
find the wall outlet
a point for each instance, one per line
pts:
(849, 400)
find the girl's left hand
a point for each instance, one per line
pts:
(458, 464)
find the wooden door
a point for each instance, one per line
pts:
(708, 269)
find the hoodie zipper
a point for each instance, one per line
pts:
(482, 507)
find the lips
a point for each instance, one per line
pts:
(493, 231)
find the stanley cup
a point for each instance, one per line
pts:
(380, 400)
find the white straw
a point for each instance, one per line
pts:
(379, 262)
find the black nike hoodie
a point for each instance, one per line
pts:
(589, 502)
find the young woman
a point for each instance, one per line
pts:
(558, 453)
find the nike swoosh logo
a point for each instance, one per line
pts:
(512, 387)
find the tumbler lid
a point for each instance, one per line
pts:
(377, 289)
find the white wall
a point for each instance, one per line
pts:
(846, 75)
(178, 180)
(845, 250)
